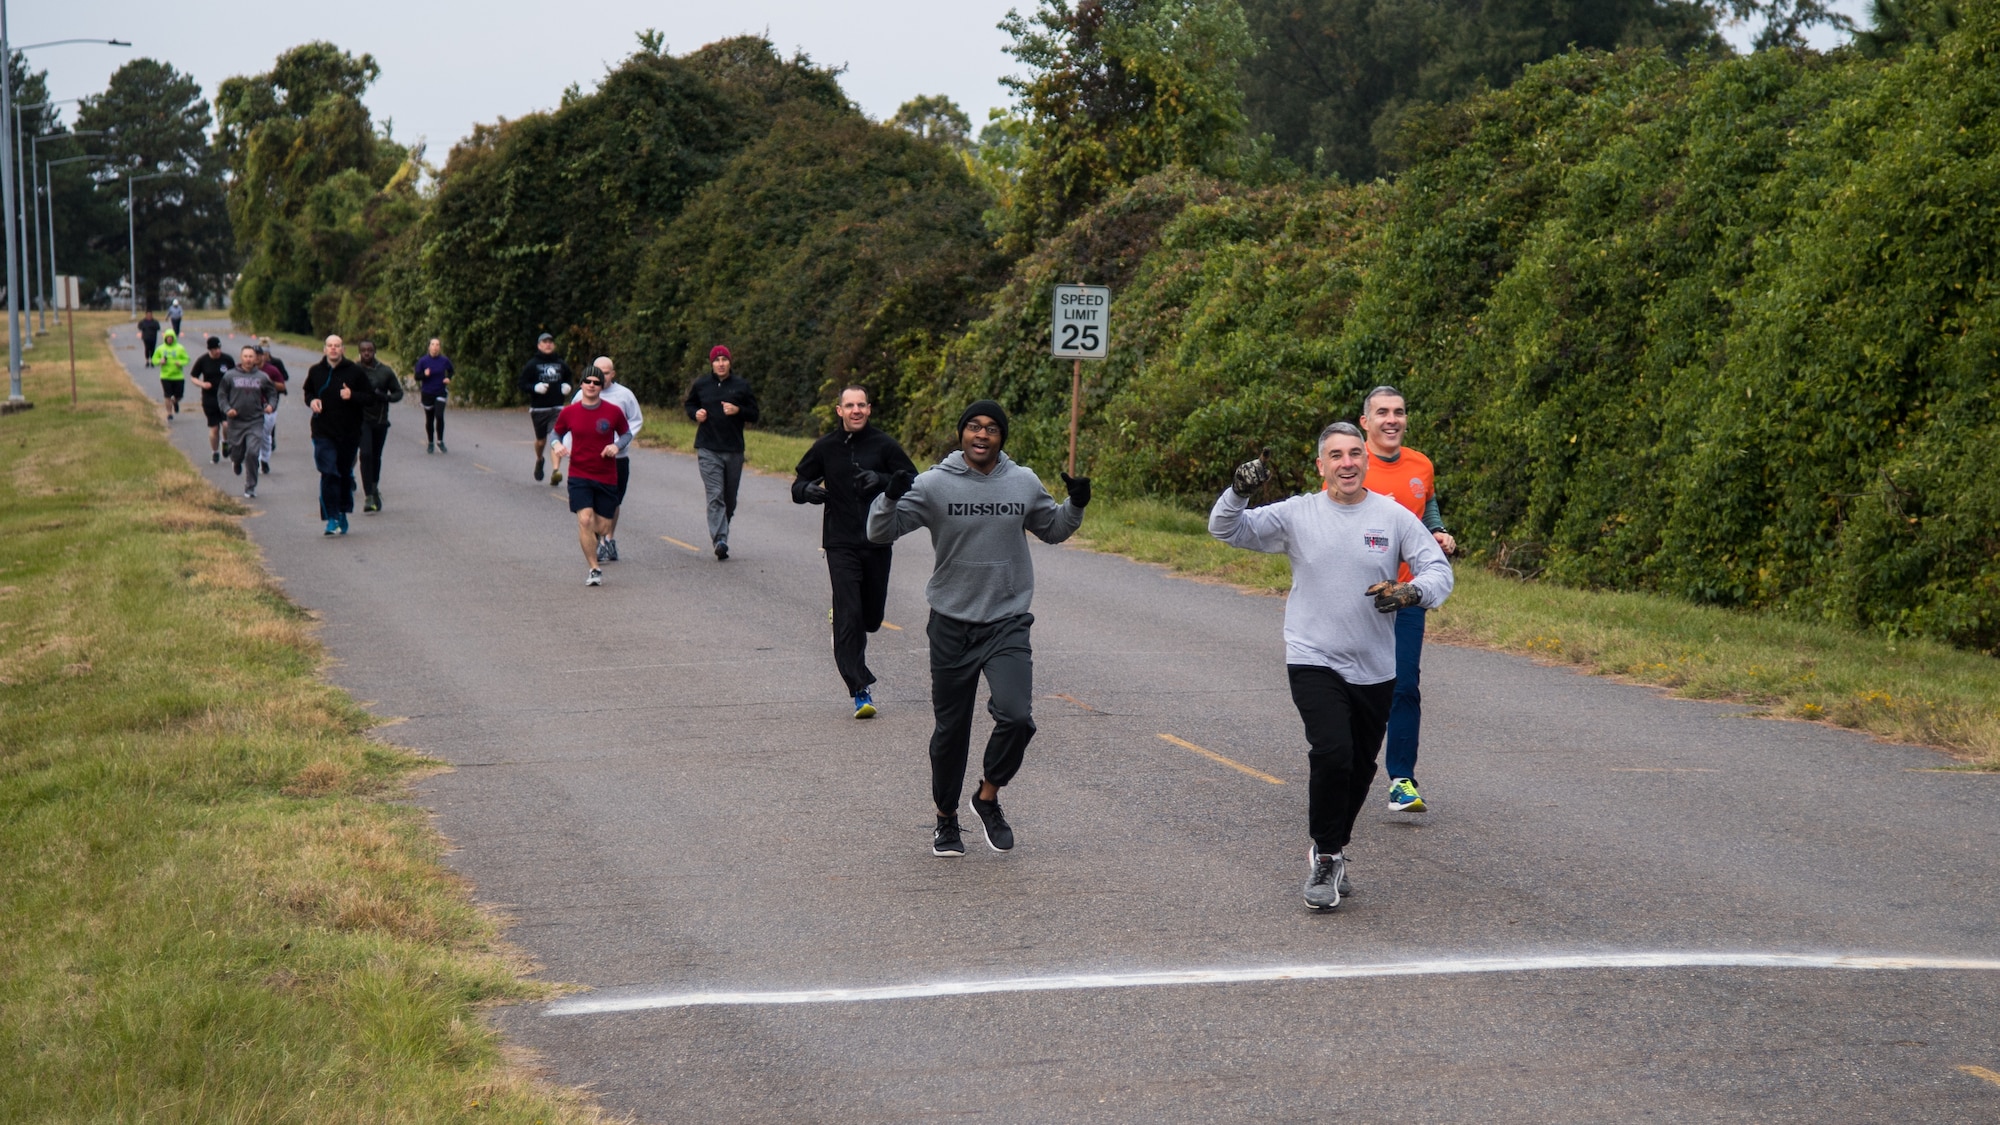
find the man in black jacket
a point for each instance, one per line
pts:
(845, 470)
(375, 423)
(546, 381)
(721, 405)
(337, 391)
(149, 336)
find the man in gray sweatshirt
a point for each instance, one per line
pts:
(244, 395)
(1345, 544)
(976, 504)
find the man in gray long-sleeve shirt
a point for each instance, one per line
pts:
(976, 504)
(244, 395)
(1345, 544)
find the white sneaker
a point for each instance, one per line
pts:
(596, 577)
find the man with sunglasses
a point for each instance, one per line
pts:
(592, 433)
(977, 503)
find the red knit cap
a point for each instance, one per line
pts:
(719, 350)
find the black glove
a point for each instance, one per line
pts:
(1251, 475)
(868, 482)
(815, 494)
(1392, 596)
(900, 483)
(1079, 489)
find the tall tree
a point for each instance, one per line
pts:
(312, 181)
(155, 121)
(1335, 78)
(1116, 90)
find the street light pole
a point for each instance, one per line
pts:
(7, 190)
(34, 217)
(49, 173)
(132, 233)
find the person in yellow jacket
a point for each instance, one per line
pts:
(172, 360)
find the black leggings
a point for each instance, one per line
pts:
(433, 417)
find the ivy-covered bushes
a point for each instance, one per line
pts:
(1726, 330)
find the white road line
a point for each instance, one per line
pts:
(1451, 967)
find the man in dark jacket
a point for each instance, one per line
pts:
(149, 336)
(546, 381)
(832, 473)
(721, 405)
(338, 393)
(375, 422)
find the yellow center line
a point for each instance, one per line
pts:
(1982, 1072)
(1082, 704)
(481, 467)
(1230, 762)
(684, 546)
(888, 625)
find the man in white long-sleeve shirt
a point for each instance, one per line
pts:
(1345, 544)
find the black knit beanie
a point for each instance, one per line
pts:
(989, 408)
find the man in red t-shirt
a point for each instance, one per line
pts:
(597, 433)
(1405, 476)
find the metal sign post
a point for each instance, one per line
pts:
(1079, 329)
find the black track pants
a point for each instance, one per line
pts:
(860, 577)
(373, 436)
(960, 651)
(1344, 725)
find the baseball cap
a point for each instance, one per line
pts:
(545, 337)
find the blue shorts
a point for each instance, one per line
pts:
(596, 495)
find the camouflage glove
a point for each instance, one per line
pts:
(1251, 475)
(1392, 596)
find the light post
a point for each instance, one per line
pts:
(51, 176)
(8, 158)
(132, 234)
(34, 218)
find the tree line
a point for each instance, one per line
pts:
(1670, 317)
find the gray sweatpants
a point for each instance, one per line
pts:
(721, 473)
(960, 651)
(246, 447)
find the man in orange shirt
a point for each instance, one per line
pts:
(1405, 476)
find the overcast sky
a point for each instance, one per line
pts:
(450, 64)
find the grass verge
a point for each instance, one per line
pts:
(668, 428)
(214, 904)
(1912, 691)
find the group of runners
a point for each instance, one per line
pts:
(1368, 551)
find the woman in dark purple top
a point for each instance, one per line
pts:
(434, 373)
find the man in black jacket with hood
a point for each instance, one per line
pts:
(720, 406)
(846, 470)
(546, 380)
(338, 393)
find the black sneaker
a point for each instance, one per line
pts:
(538, 468)
(373, 503)
(603, 551)
(945, 840)
(999, 834)
(238, 465)
(722, 554)
(215, 457)
(263, 466)
(1329, 874)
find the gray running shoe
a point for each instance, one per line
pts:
(611, 546)
(603, 550)
(596, 577)
(1324, 888)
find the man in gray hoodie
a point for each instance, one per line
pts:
(1346, 546)
(244, 395)
(976, 504)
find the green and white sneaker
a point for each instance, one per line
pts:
(1403, 796)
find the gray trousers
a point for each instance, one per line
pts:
(721, 473)
(960, 651)
(245, 445)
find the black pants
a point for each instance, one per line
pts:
(960, 651)
(149, 340)
(334, 458)
(1344, 725)
(373, 434)
(433, 417)
(860, 578)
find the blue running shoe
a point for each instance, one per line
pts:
(332, 526)
(343, 523)
(864, 704)
(1403, 796)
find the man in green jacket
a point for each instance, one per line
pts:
(172, 360)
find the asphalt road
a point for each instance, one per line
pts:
(659, 780)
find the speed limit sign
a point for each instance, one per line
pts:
(1081, 328)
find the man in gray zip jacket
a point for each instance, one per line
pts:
(1346, 546)
(976, 505)
(244, 396)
